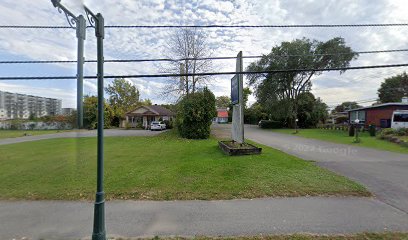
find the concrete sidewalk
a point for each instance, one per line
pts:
(320, 215)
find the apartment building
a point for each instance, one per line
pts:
(22, 106)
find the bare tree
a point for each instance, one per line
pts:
(186, 44)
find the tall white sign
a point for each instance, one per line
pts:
(238, 102)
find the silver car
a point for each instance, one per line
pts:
(156, 125)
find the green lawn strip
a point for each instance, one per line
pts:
(162, 167)
(360, 236)
(22, 133)
(338, 136)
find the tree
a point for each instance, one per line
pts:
(187, 44)
(311, 110)
(195, 113)
(283, 89)
(394, 88)
(223, 102)
(123, 97)
(346, 106)
(254, 114)
(246, 92)
(91, 113)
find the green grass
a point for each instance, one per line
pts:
(360, 236)
(338, 136)
(162, 167)
(20, 133)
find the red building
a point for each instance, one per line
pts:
(222, 116)
(380, 115)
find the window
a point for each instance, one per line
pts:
(401, 117)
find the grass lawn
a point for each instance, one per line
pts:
(162, 167)
(20, 133)
(361, 236)
(338, 136)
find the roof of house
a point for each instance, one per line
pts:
(222, 114)
(155, 109)
(380, 106)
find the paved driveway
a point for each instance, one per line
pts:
(383, 173)
(78, 134)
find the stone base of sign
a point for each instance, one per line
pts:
(233, 148)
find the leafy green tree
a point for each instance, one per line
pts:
(344, 106)
(195, 113)
(223, 102)
(246, 92)
(311, 110)
(394, 88)
(91, 113)
(282, 90)
(123, 97)
(254, 114)
(146, 102)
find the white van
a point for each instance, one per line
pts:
(399, 119)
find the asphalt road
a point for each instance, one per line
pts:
(73, 220)
(384, 173)
(78, 134)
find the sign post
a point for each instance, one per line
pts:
(237, 99)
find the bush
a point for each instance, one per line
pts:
(195, 113)
(169, 124)
(401, 131)
(270, 124)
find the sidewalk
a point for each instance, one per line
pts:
(320, 215)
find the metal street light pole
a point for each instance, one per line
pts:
(80, 24)
(99, 232)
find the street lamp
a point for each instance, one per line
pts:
(357, 121)
(80, 24)
(99, 232)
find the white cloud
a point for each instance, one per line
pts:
(60, 44)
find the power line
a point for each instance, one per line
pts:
(209, 73)
(217, 26)
(205, 58)
(265, 26)
(33, 27)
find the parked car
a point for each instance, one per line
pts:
(157, 126)
(399, 119)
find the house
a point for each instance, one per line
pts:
(337, 118)
(142, 116)
(222, 116)
(380, 115)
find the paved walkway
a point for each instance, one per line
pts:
(84, 133)
(72, 220)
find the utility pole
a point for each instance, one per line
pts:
(99, 232)
(80, 24)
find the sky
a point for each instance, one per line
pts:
(60, 44)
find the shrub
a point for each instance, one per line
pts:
(401, 131)
(127, 125)
(270, 124)
(169, 124)
(195, 113)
